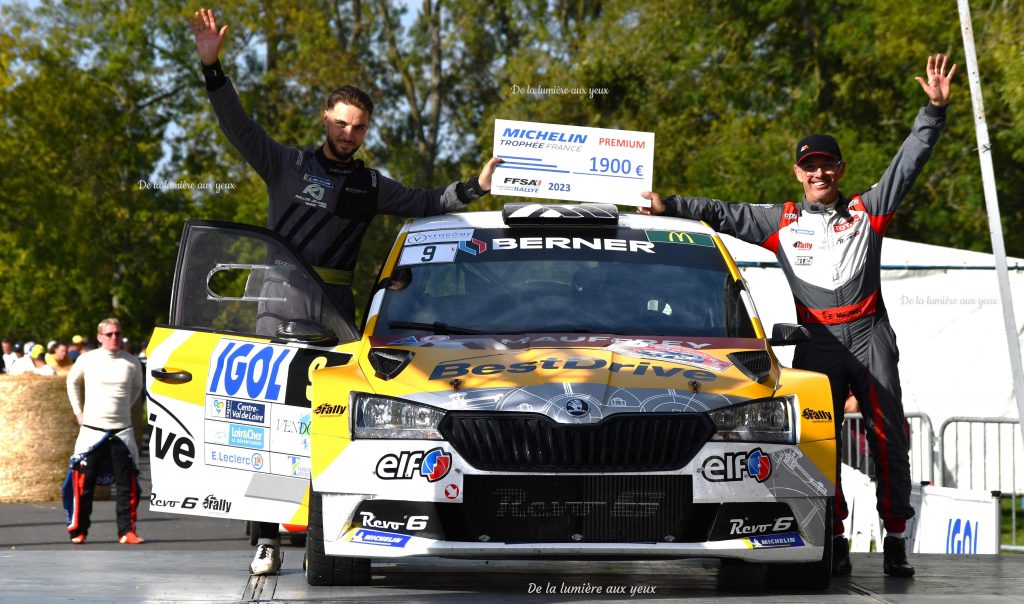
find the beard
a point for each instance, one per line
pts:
(338, 153)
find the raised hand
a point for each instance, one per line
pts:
(487, 172)
(208, 38)
(657, 206)
(937, 84)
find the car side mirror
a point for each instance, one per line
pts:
(787, 334)
(304, 331)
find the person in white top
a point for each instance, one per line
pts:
(22, 362)
(8, 352)
(112, 382)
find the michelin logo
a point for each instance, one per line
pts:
(783, 540)
(379, 538)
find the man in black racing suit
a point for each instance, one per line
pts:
(829, 247)
(321, 199)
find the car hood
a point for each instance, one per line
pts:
(575, 377)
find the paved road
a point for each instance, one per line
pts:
(191, 559)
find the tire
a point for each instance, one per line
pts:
(322, 569)
(805, 576)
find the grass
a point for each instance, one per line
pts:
(1006, 520)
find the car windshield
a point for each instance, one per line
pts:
(620, 281)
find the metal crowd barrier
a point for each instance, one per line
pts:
(922, 446)
(978, 453)
(985, 459)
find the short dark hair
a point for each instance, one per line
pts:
(350, 95)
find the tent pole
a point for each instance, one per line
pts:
(992, 206)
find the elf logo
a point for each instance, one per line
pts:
(733, 467)
(182, 449)
(432, 465)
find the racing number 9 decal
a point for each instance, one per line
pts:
(318, 363)
(299, 390)
(428, 253)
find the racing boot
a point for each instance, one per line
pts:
(895, 561)
(841, 565)
(268, 558)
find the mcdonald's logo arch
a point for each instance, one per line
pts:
(681, 237)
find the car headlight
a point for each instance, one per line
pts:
(383, 417)
(769, 421)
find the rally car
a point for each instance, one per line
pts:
(550, 381)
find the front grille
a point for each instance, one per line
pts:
(531, 442)
(580, 509)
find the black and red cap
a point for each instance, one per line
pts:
(818, 144)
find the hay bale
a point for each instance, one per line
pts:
(37, 432)
(37, 437)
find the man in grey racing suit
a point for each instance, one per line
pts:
(829, 247)
(321, 200)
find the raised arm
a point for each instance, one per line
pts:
(884, 198)
(753, 223)
(261, 152)
(208, 37)
(939, 78)
(398, 200)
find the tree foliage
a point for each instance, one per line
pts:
(100, 101)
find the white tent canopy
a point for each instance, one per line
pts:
(944, 307)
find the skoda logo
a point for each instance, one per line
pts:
(577, 407)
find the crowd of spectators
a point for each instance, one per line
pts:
(56, 357)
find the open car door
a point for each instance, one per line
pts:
(229, 383)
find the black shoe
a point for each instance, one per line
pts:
(841, 565)
(895, 562)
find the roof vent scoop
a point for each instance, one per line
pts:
(553, 214)
(388, 362)
(755, 364)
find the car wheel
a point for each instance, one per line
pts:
(322, 569)
(813, 576)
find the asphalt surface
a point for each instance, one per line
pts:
(193, 559)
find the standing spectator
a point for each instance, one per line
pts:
(8, 354)
(58, 358)
(77, 342)
(21, 363)
(39, 365)
(105, 448)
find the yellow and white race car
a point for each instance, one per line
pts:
(548, 381)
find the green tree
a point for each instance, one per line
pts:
(80, 239)
(729, 86)
(101, 102)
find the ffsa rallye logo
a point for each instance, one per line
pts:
(732, 467)
(523, 185)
